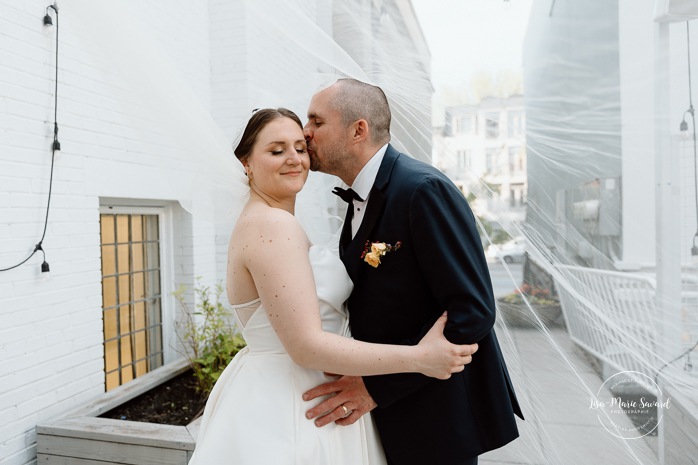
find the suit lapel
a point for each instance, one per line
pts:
(374, 211)
(352, 254)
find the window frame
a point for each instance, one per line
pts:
(167, 302)
(492, 125)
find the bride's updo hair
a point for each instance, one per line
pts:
(257, 122)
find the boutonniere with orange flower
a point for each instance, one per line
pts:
(375, 250)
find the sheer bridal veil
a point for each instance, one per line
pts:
(190, 99)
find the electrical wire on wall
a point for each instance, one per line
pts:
(55, 146)
(684, 127)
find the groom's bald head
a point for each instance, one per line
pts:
(356, 100)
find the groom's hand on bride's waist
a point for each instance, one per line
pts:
(349, 401)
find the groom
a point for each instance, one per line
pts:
(433, 262)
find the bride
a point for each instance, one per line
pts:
(290, 297)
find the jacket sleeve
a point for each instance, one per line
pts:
(450, 254)
(450, 249)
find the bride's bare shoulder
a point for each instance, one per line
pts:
(263, 226)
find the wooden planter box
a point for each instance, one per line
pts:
(82, 438)
(519, 315)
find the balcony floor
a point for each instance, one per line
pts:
(555, 393)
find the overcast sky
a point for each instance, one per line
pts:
(467, 36)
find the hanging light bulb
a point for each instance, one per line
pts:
(44, 266)
(683, 127)
(47, 19)
(56, 144)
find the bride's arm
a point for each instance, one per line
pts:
(276, 255)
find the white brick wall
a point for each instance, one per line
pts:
(45, 338)
(228, 64)
(51, 356)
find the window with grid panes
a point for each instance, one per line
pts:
(131, 296)
(491, 125)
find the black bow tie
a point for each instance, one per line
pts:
(348, 195)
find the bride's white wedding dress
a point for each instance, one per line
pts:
(255, 413)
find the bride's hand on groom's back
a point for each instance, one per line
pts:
(438, 357)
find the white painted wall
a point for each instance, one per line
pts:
(51, 356)
(637, 72)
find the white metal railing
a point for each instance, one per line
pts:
(613, 315)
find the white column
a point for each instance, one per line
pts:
(667, 190)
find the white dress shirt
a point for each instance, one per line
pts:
(363, 184)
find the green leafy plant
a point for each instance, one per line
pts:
(534, 296)
(500, 236)
(209, 340)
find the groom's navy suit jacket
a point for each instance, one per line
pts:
(439, 267)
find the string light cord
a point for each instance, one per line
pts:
(691, 111)
(54, 147)
(688, 366)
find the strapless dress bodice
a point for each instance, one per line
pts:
(333, 287)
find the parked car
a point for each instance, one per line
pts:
(512, 251)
